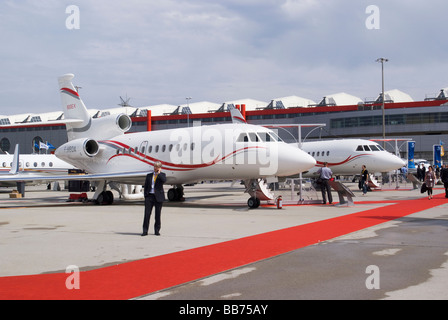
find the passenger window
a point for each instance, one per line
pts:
(192, 146)
(359, 148)
(318, 153)
(157, 148)
(313, 154)
(150, 149)
(328, 153)
(170, 148)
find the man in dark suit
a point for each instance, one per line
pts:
(154, 197)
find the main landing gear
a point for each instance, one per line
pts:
(176, 193)
(103, 196)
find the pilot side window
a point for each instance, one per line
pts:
(242, 138)
(359, 148)
(374, 148)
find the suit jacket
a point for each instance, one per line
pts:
(158, 186)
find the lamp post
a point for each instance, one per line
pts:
(382, 60)
(188, 114)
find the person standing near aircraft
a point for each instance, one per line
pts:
(430, 178)
(444, 177)
(364, 180)
(325, 174)
(154, 197)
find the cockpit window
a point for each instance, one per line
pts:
(263, 136)
(366, 148)
(359, 148)
(243, 137)
(275, 136)
(253, 137)
(374, 147)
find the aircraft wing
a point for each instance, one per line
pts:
(136, 177)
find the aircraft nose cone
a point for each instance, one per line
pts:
(395, 162)
(294, 160)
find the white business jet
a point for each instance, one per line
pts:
(346, 156)
(30, 165)
(240, 151)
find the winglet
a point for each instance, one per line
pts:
(15, 161)
(237, 117)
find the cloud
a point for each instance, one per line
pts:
(163, 51)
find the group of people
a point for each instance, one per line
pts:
(154, 194)
(325, 175)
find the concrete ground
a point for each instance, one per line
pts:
(43, 233)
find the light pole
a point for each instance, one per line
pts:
(382, 60)
(188, 112)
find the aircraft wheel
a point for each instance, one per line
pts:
(109, 199)
(105, 197)
(172, 194)
(253, 202)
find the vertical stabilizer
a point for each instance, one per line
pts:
(79, 120)
(237, 117)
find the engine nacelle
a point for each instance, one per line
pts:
(110, 126)
(78, 149)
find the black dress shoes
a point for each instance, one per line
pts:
(144, 234)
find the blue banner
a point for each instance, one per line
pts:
(411, 147)
(437, 156)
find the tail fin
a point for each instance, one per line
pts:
(78, 120)
(237, 117)
(15, 161)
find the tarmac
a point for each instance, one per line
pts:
(404, 258)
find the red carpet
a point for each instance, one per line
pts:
(133, 279)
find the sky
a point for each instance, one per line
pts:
(157, 52)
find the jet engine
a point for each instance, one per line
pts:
(78, 149)
(110, 126)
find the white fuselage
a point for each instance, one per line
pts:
(33, 165)
(227, 151)
(346, 157)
